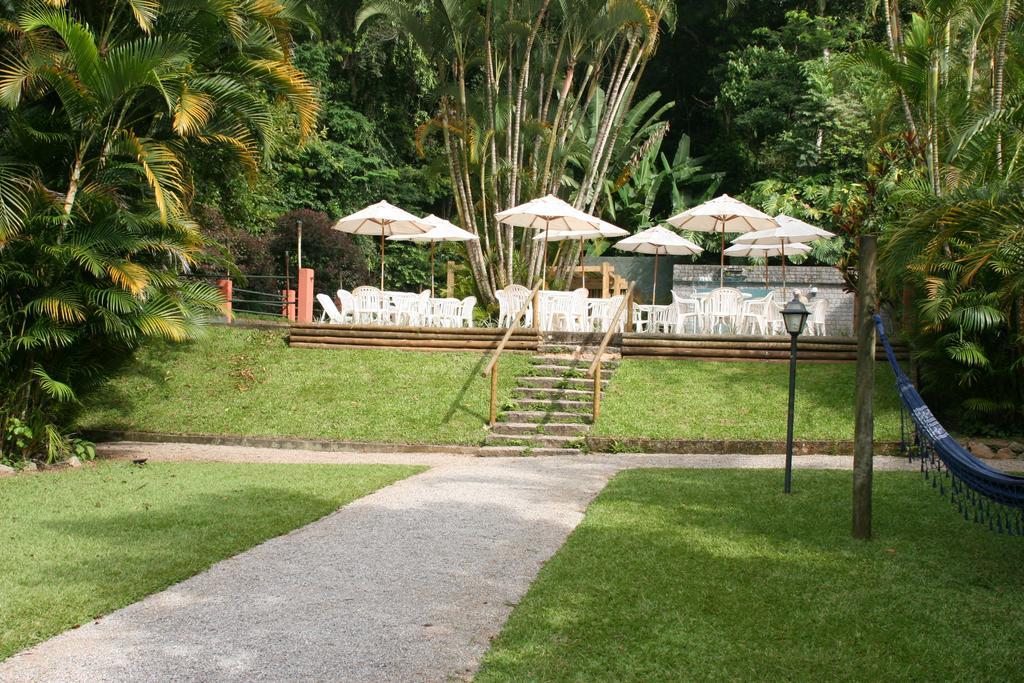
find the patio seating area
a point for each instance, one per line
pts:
(370, 305)
(719, 311)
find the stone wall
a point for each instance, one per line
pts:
(824, 279)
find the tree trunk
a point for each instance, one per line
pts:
(864, 425)
(999, 75)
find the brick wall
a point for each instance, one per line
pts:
(827, 281)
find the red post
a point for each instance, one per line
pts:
(305, 312)
(224, 285)
(288, 304)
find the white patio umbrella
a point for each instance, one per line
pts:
(385, 220)
(443, 231)
(766, 252)
(723, 214)
(549, 213)
(606, 231)
(658, 241)
(791, 231)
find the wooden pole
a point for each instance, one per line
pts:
(721, 270)
(494, 394)
(597, 393)
(382, 260)
(864, 419)
(654, 288)
(431, 269)
(606, 276)
(544, 256)
(629, 310)
(536, 311)
(583, 273)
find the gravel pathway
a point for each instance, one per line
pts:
(407, 584)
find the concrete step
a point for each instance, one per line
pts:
(513, 451)
(543, 417)
(556, 382)
(550, 428)
(555, 393)
(545, 360)
(563, 405)
(587, 350)
(534, 441)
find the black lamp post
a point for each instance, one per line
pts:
(794, 315)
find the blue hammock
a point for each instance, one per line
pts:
(996, 498)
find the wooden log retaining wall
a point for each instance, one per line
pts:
(325, 336)
(720, 347)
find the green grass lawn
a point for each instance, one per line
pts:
(248, 383)
(80, 543)
(716, 575)
(682, 399)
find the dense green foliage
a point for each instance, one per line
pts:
(107, 112)
(249, 383)
(718, 575)
(110, 534)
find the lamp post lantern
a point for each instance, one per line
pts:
(794, 315)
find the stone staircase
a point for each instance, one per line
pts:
(552, 405)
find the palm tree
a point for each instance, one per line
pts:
(105, 109)
(517, 83)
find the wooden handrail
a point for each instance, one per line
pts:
(492, 365)
(611, 329)
(595, 366)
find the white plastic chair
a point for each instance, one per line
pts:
(722, 307)
(444, 313)
(405, 309)
(466, 312)
(370, 302)
(684, 309)
(504, 314)
(816, 323)
(600, 312)
(330, 311)
(349, 307)
(756, 314)
(518, 296)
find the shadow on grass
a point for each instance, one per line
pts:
(458, 403)
(718, 575)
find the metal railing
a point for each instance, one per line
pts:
(595, 366)
(492, 365)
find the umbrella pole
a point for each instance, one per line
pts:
(654, 289)
(544, 259)
(721, 271)
(382, 260)
(783, 272)
(766, 271)
(431, 270)
(583, 273)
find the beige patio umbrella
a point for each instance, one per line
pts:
(443, 231)
(723, 214)
(606, 231)
(766, 252)
(791, 231)
(658, 241)
(549, 213)
(385, 220)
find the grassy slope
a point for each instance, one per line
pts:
(81, 543)
(245, 382)
(698, 575)
(679, 399)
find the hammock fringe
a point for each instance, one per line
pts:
(996, 498)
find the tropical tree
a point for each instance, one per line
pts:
(532, 97)
(954, 237)
(106, 105)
